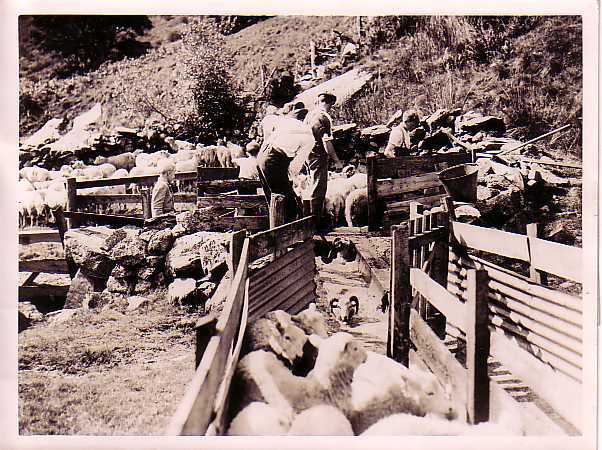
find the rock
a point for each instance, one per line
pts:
(118, 285)
(82, 286)
(95, 300)
(143, 287)
(87, 252)
(435, 141)
(199, 219)
(437, 119)
(61, 315)
(375, 132)
(467, 213)
(483, 123)
(160, 242)
(159, 279)
(484, 167)
(146, 273)
(483, 193)
(207, 288)
(183, 291)
(147, 235)
(512, 174)
(24, 322)
(155, 261)
(136, 301)
(178, 231)
(29, 311)
(497, 181)
(197, 254)
(552, 179)
(559, 233)
(120, 271)
(130, 252)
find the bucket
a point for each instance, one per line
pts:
(460, 182)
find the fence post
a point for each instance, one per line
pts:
(371, 192)
(277, 216)
(237, 240)
(72, 202)
(145, 193)
(535, 230)
(205, 329)
(477, 346)
(398, 342)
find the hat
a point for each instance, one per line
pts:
(328, 97)
(298, 111)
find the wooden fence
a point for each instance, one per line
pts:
(203, 409)
(492, 310)
(394, 183)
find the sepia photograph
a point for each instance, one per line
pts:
(283, 225)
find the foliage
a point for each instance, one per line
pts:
(85, 42)
(233, 24)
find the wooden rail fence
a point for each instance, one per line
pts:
(203, 409)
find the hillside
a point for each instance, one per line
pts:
(525, 69)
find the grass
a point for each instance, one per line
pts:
(106, 373)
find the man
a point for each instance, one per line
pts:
(289, 137)
(400, 138)
(317, 162)
(162, 196)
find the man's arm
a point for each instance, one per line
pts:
(158, 199)
(327, 141)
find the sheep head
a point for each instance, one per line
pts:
(288, 342)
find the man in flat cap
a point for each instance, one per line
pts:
(317, 162)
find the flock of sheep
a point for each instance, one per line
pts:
(41, 190)
(293, 378)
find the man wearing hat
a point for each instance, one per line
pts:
(317, 162)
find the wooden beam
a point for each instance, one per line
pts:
(232, 201)
(71, 202)
(42, 290)
(36, 236)
(237, 239)
(552, 163)
(141, 179)
(477, 346)
(405, 166)
(306, 249)
(264, 242)
(217, 173)
(228, 185)
(535, 230)
(398, 186)
(108, 219)
(372, 192)
(429, 201)
(398, 345)
(204, 331)
(277, 218)
(86, 199)
(558, 259)
(50, 265)
(491, 240)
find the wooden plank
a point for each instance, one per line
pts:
(371, 192)
(398, 339)
(36, 236)
(42, 290)
(50, 265)
(71, 202)
(217, 173)
(301, 289)
(231, 201)
(265, 242)
(140, 179)
(414, 165)
(250, 223)
(277, 219)
(520, 282)
(301, 251)
(229, 185)
(30, 278)
(477, 346)
(86, 199)
(259, 289)
(109, 219)
(280, 291)
(398, 186)
(300, 299)
(303, 302)
(432, 200)
(185, 197)
(510, 342)
(437, 357)
(439, 297)
(204, 331)
(552, 163)
(490, 240)
(235, 245)
(558, 259)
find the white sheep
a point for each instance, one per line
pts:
(382, 387)
(258, 419)
(30, 203)
(107, 169)
(432, 425)
(125, 160)
(311, 321)
(356, 208)
(236, 151)
(188, 165)
(93, 173)
(34, 174)
(178, 145)
(321, 420)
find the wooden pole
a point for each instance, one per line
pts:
(549, 133)
(205, 329)
(398, 345)
(277, 217)
(477, 346)
(72, 201)
(312, 57)
(535, 230)
(237, 240)
(371, 172)
(145, 195)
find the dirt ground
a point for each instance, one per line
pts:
(110, 372)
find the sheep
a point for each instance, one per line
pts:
(382, 387)
(344, 311)
(31, 203)
(258, 419)
(125, 160)
(66, 170)
(321, 420)
(431, 425)
(93, 173)
(54, 199)
(224, 156)
(356, 208)
(107, 169)
(34, 174)
(311, 321)
(276, 332)
(236, 151)
(177, 145)
(338, 190)
(188, 165)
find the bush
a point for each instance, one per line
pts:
(195, 95)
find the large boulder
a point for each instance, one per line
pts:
(484, 123)
(86, 250)
(183, 291)
(130, 251)
(197, 254)
(82, 287)
(160, 242)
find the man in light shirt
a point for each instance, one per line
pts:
(162, 196)
(400, 138)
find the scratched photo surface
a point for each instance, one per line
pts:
(301, 225)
